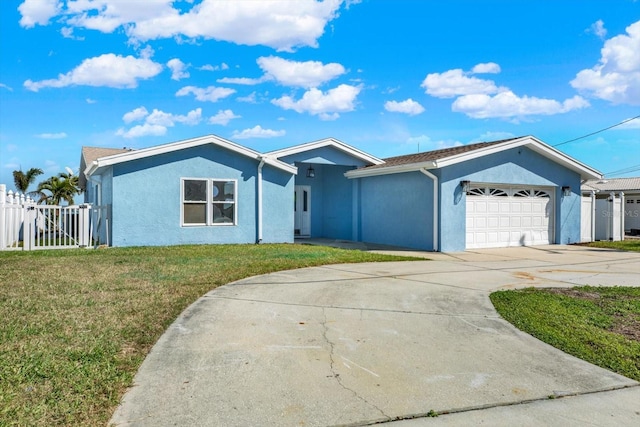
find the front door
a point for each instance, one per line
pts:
(302, 208)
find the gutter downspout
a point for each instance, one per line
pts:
(435, 207)
(262, 160)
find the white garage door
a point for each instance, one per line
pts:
(509, 216)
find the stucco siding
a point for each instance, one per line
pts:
(337, 206)
(277, 206)
(323, 155)
(147, 198)
(396, 210)
(331, 200)
(518, 166)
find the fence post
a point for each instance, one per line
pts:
(29, 234)
(622, 215)
(3, 217)
(83, 226)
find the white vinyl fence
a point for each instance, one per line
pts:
(603, 219)
(25, 225)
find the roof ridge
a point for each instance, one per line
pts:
(465, 147)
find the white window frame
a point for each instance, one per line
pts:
(209, 203)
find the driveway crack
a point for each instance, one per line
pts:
(332, 366)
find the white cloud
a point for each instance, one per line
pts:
(325, 105)
(486, 68)
(91, 101)
(456, 82)
(59, 135)
(223, 117)
(616, 77)
(211, 93)
(241, 81)
(258, 132)
(38, 12)
(161, 118)
(300, 74)
(4, 86)
(408, 106)
(105, 70)
(209, 67)
(598, 29)
(147, 52)
(135, 115)
(156, 122)
(630, 124)
(178, 69)
(251, 98)
(507, 104)
(107, 15)
(481, 98)
(290, 73)
(67, 33)
(142, 130)
(282, 25)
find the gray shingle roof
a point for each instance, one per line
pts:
(612, 184)
(429, 156)
(89, 154)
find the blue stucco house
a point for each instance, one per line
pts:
(202, 190)
(210, 190)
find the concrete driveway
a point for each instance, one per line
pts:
(391, 343)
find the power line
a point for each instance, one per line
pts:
(598, 131)
(623, 171)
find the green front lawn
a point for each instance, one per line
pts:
(76, 324)
(624, 245)
(598, 324)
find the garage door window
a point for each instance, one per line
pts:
(531, 193)
(497, 192)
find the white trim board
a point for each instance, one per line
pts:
(327, 142)
(530, 142)
(180, 145)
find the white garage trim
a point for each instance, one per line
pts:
(501, 216)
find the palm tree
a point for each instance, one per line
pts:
(56, 189)
(23, 180)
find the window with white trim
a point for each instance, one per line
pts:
(208, 201)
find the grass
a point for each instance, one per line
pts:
(76, 324)
(598, 324)
(623, 245)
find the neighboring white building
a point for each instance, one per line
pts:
(610, 208)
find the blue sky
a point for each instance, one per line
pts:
(390, 77)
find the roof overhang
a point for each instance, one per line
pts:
(327, 142)
(103, 162)
(530, 142)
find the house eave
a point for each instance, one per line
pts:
(530, 142)
(103, 162)
(412, 167)
(535, 145)
(339, 145)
